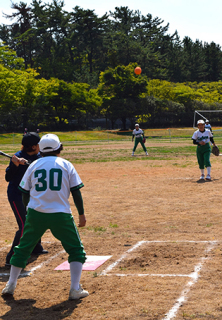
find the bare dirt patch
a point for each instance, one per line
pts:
(126, 202)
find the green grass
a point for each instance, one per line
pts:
(107, 147)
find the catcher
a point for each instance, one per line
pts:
(139, 134)
(201, 138)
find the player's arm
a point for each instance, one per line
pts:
(132, 136)
(195, 142)
(25, 199)
(212, 140)
(12, 169)
(77, 198)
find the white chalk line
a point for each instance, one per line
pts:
(138, 244)
(28, 273)
(9, 245)
(4, 248)
(161, 275)
(195, 275)
(110, 267)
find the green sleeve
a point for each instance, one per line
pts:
(77, 198)
(25, 199)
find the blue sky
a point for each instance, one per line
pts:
(198, 19)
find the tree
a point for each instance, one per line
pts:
(120, 89)
(9, 59)
(17, 38)
(87, 39)
(213, 60)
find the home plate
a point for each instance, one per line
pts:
(92, 263)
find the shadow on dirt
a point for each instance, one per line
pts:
(29, 311)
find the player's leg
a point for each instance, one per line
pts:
(34, 228)
(63, 228)
(143, 146)
(20, 215)
(207, 163)
(200, 160)
(135, 144)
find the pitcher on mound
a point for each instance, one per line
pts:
(202, 138)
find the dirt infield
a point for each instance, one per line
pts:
(162, 228)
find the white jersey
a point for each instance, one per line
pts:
(49, 181)
(138, 133)
(207, 126)
(202, 136)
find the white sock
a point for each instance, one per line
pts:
(208, 170)
(75, 272)
(14, 274)
(202, 171)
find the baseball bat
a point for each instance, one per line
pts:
(8, 156)
(5, 154)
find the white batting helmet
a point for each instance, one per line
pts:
(49, 143)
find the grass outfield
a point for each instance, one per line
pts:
(105, 146)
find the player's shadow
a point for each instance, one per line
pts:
(206, 181)
(200, 181)
(25, 309)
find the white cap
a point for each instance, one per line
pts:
(136, 125)
(206, 120)
(200, 121)
(49, 143)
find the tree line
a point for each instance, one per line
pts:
(27, 100)
(78, 45)
(60, 70)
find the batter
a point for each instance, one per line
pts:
(49, 181)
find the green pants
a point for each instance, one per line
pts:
(203, 156)
(63, 228)
(139, 140)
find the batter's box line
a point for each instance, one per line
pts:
(195, 275)
(30, 272)
(184, 294)
(137, 245)
(9, 245)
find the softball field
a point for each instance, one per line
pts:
(161, 226)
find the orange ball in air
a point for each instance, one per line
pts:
(137, 70)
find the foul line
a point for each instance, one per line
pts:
(195, 275)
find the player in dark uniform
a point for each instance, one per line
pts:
(14, 174)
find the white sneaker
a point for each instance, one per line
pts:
(77, 294)
(208, 177)
(9, 289)
(132, 154)
(147, 153)
(202, 177)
